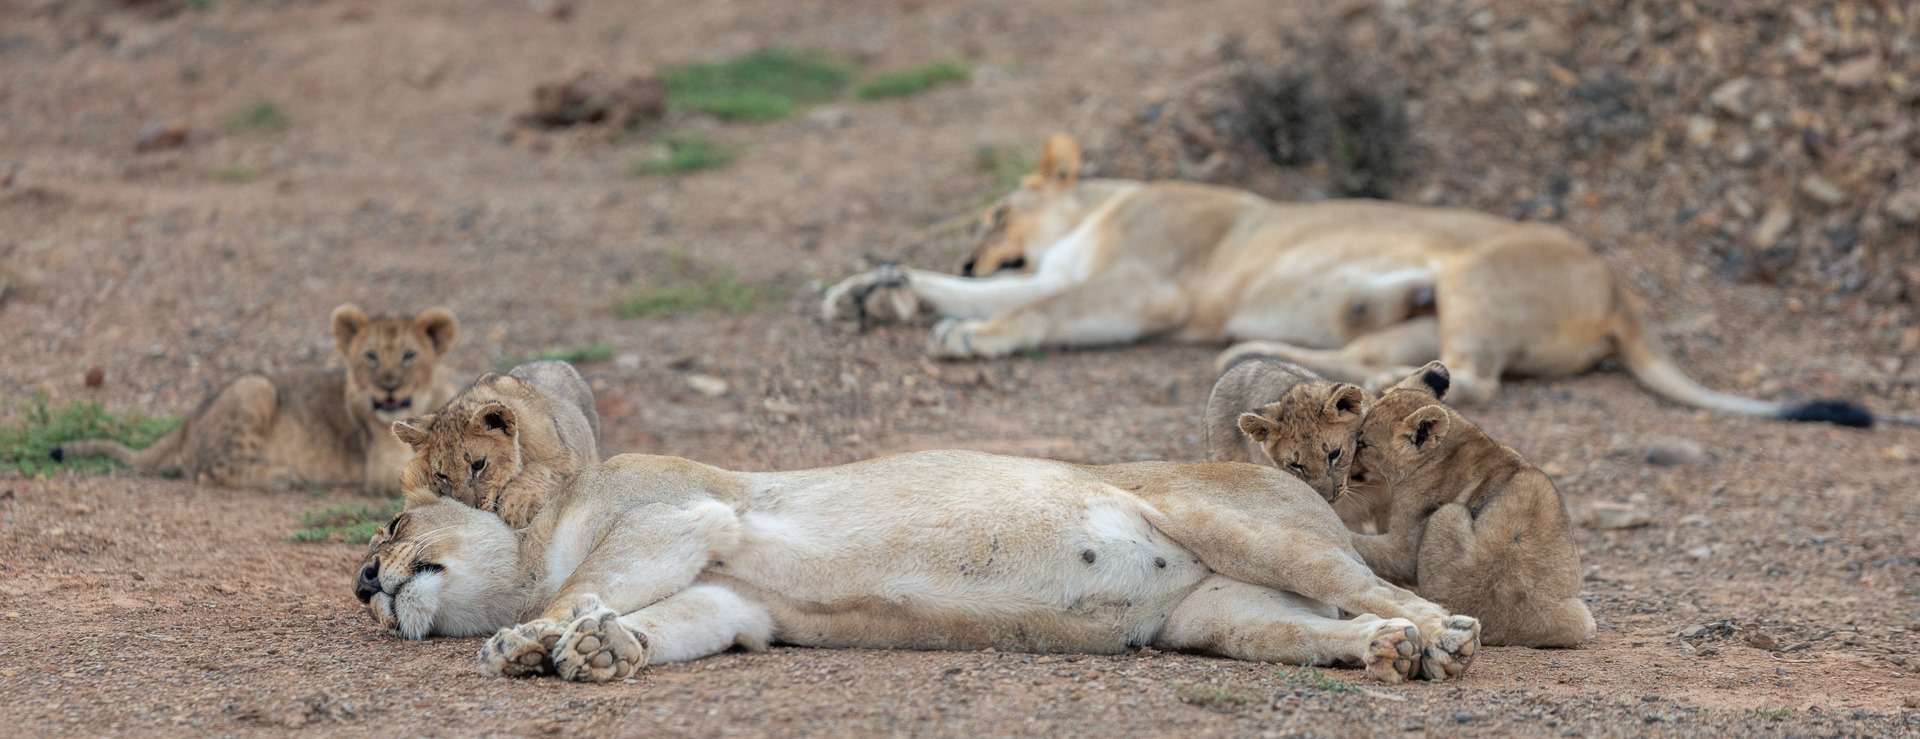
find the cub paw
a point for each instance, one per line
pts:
(517, 510)
(1393, 652)
(521, 651)
(598, 648)
(1450, 649)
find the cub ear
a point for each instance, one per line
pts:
(413, 431)
(1424, 427)
(1059, 164)
(439, 326)
(1345, 404)
(1258, 427)
(494, 417)
(1432, 379)
(348, 321)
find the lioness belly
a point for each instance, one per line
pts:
(1316, 298)
(1017, 554)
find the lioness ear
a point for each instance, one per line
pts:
(495, 417)
(1346, 404)
(1433, 379)
(1423, 427)
(1257, 427)
(348, 321)
(412, 431)
(439, 326)
(1059, 164)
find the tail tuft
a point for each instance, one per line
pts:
(1837, 412)
(59, 454)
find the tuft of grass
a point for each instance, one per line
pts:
(686, 285)
(24, 448)
(575, 355)
(684, 154)
(1228, 697)
(200, 4)
(1006, 165)
(1313, 678)
(1774, 714)
(260, 114)
(353, 523)
(765, 85)
(912, 81)
(236, 173)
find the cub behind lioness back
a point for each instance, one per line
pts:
(1267, 411)
(505, 443)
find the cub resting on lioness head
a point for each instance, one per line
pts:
(326, 427)
(1472, 525)
(1358, 291)
(508, 440)
(1267, 411)
(643, 560)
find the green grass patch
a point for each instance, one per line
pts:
(1313, 678)
(912, 81)
(575, 355)
(353, 523)
(25, 448)
(237, 173)
(765, 85)
(260, 114)
(1227, 697)
(686, 285)
(684, 154)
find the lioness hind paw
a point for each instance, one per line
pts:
(598, 648)
(520, 651)
(1451, 649)
(1393, 655)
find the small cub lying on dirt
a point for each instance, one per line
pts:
(505, 443)
(322, 427)
(1265, 410)
(1471, 524)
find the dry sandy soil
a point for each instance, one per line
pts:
(144, 606)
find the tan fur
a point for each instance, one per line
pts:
(1473, 525)
(1272, 412)
(644, 560)
(1357, 291)
(502, 444)
(325, 428)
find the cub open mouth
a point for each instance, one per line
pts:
(391, 405)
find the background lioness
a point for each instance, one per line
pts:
(322, 427)
(1277, 413)
(505, 442)
(1473, 525)
(642, 560)
(1358, 291)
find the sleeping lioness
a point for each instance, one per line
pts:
(1358, 291)
(327, 427)
(644, 560)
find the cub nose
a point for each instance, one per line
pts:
(369, 582)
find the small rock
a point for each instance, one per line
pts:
(1700, 130)
(1897, 454)
(158, 136)
(830, 116)
(1904, 206)
(781, 408)
(79, 509)
(1737, 97)
(1857, 75)
(1772, 227)
(138, 575)
(1821, 191)
(1700, 552)
(708, 385)
(11, 615)
(1614, 516)
(95, 376)
(627, 362)
(1694, 632)
(1674, 452)
(1742, 152)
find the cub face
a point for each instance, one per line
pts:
(1015, 233)
(440, 569)
(392, 362)
(468, 451)
(1312, 432)
(1407, 427)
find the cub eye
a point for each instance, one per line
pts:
(1296, 467)
(441, 476)
(1333, 456)
(479, 464)
(408, 356)
(373, 358)
(421, 568)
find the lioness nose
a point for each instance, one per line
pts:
(369, 582)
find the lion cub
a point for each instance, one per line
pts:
(506, 442)
(1265, 409)
(1472, 524)
(322, 427)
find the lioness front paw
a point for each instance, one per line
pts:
(877, 296)
(1450, 649)
(598, 648)
(1393, 652)
(521, 651)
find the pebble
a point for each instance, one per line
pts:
(1700, 130)
(1857, 75)
(1613, 516)
(708, 385)
(1821, 191)
(95, 376)
(830, 116)
(1903, 206)
(158, 136)
(1674, 452)
(1737, 97)
(781, 408)
(1772, 227)
(627, 362)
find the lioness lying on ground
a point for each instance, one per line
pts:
(1471, 524)
(507, 441)
(1357, 291)
(644, 560)
(322, 427)
(1266, 411)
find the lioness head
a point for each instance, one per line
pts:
(467, 451)
(391, 360)
(1407, 427)
(441, 569)
(1017, 230)
(1311, 432)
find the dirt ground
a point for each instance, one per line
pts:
(1774, 593)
